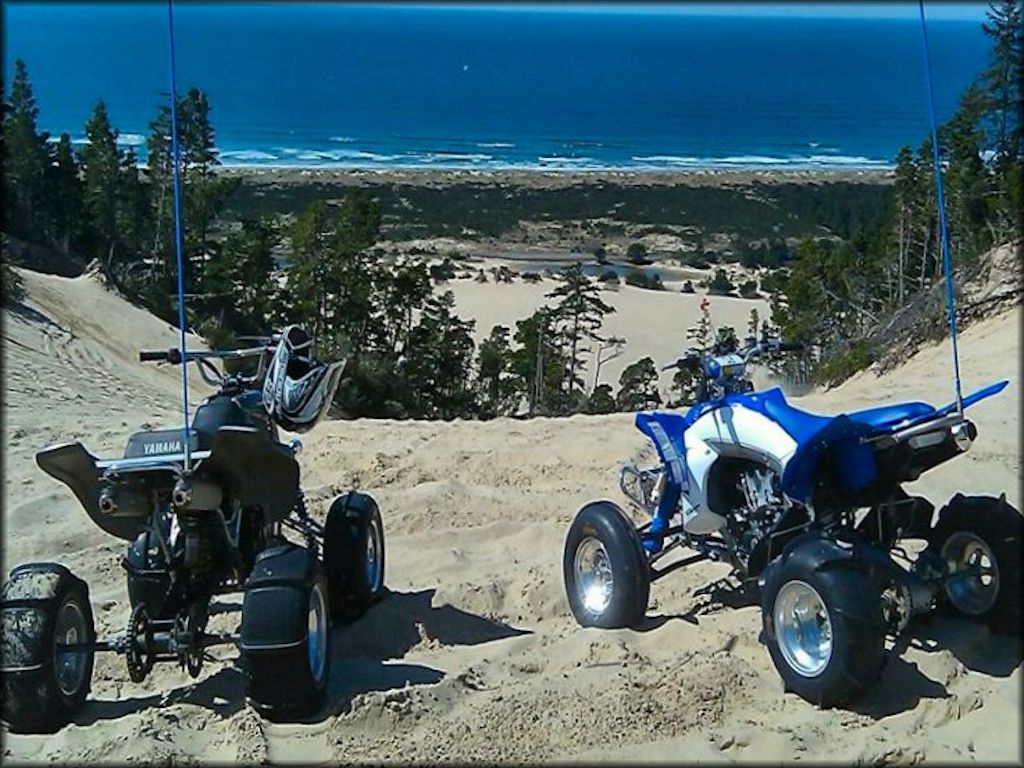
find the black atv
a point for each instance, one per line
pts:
(204, 518)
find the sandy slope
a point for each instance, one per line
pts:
(474, 655)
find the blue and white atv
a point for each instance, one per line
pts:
(811, 509)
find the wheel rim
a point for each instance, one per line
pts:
(316, 634)
(594, 582)
(973, 581)
(69, 629)
(373, 552)
(803, 629)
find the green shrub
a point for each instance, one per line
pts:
(721, 285)
(748, 290)
(637, 253)
(640, 279)
(13, 288)
(841, 366)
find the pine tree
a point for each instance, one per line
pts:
(438, 361)
(309, 277)
(398, 294)
(26, 159)
(966, 180)
(685, 384)
(101, 166)
(753, 323)
(578, 317)
(498, 391)
(601, 400)
(907, 203)
(539, 362)
(65, 196)
(638, 387)
(351, 272)
(239, 280)
(203, 194)
(806, 300)
(1001, 80)
(133, 205)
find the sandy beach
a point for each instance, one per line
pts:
(474, 655)
(555, 179)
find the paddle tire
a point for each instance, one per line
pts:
(979, 539)
(285, 635)
(821, 611)
(354, 554)
(44, 606)
(607, 578)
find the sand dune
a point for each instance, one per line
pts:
(474, 655)
(653, 323)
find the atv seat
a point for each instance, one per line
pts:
(888, 416)
(803, 425)
(800, 425)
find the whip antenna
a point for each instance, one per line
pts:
(177, 234)
(943, 232)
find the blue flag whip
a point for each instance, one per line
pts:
(943, 232)
(177, 233)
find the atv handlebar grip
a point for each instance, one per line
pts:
(172, 355)
(690, 361)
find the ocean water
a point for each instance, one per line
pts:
(397, 86)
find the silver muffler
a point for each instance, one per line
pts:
(191, 494)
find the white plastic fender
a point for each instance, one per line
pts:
(729, 429)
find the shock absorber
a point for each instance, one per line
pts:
(300, 506)
(305, 524)
(198, 543)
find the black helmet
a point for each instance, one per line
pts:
(297, 389)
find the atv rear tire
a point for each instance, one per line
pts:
(979, 538)
(285, 637)
(354, 554)
(44, 605)
(607, 578)
(822, 619)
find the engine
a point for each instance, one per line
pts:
(758, 507)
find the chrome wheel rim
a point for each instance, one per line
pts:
(316, 634)
(373, 550)
(803, 629)
(973, 582)
(69, 629)
(594, 582)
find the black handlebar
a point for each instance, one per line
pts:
(172, 355)
(691, 359)
(694, 358)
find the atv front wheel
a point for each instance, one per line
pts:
(607, 578)
(822, 617)
(978, 538)
(285, 637)
(354, 554)
(45, 607)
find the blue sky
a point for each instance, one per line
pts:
(973, 11)
(883, 9)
